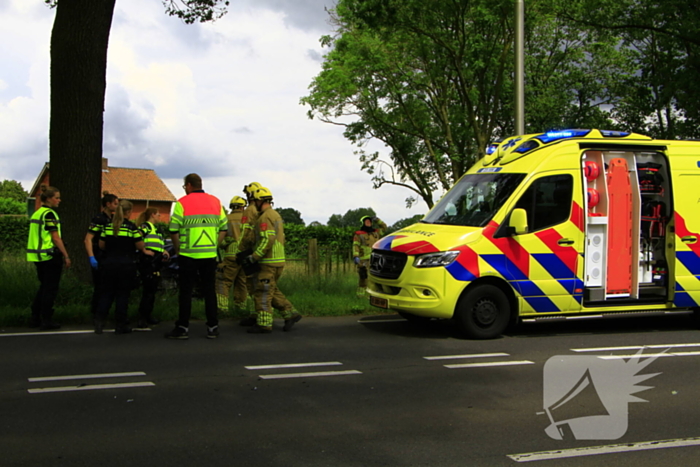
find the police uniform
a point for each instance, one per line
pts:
(96, 227)
(362, 249)
(149, 269)
(117, 272)
(269, 253)
(198, 218)
(48, 261)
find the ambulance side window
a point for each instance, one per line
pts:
(547, 201)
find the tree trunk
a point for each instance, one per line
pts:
(79, 42)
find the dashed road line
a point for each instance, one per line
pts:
(60, 333)
(609, 449)
(310, 375)
(90, 387)
(488, 364)
(290, 365)
(636, 347)
(103, 375)
(665, 354)
(478, 355)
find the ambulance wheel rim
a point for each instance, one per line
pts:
(485, 313)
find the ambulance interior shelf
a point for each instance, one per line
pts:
(625, 193)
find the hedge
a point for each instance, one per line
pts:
(14, 231)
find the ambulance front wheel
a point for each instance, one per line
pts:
(483, 312)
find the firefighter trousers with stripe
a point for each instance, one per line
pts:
(268, 296)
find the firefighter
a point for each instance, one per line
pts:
(268, 253)
(46, 250)
(372, 230)
(119, 242)
(245, 247)
(233, 274)
(97, 224)
(149, 266)
(197, 228)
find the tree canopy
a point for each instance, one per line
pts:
(351, 218)
(290, 216)
(13, 190)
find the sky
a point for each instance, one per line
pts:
(219, 99)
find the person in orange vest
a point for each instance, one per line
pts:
(197, 228)
(372, 230)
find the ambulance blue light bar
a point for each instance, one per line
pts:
(491, 148)
(562, 134)
(614, 134)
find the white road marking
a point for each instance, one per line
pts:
(609, 449)
(476, 365)
(635, 347)
(290, 365)
(397, 320)
(665, 354)
(104, 375)
(46, 333)
(311, 375)
(478, 355)
(89, 387)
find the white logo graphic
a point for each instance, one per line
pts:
(586, 397)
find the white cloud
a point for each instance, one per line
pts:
(218, 99)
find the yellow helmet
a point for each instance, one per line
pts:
(250, 189)
(263, 194)
(238, 201)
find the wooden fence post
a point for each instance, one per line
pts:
(313, 261)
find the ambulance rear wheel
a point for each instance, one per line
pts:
(483, 312)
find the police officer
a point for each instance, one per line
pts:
(233, 274)
(92, 237)
(119, 242)
(269, 253)
(149, 266)
(46, 250)
(372, 230)
(197, 228)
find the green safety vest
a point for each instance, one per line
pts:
(40, 246)
(198, 218)
(152, 239)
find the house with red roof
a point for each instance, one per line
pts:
(142, 187)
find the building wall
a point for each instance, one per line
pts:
(163, 207)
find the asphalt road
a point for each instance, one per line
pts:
(340, 392)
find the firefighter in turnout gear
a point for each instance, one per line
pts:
(268, 252)
(245, 246)
(233, 274)
(372, 230)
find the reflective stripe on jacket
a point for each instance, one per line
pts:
(198, 218)
(40, 246)
(152, 239)
(233, 234)
(269, 235)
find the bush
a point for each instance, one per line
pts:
(11, 206)
(14, 231)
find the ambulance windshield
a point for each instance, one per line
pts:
(474, 200)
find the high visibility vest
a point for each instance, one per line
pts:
(269, 233)
(198, 218)
(39, 244)
(151, 238)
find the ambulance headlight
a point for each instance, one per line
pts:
(432, 260)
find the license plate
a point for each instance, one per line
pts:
(378, 302)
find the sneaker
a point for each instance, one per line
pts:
(260, 330)
(212, 332)
(180, 332)
(152, 321)
(288, 323)
(249, 321)
(124, 329)
(49, 326)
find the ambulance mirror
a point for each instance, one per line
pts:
(518, 221)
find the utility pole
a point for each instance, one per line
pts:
(519, 67)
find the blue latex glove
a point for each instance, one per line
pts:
(357, 260)
(93, 262)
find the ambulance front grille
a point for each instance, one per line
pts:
(387, 264)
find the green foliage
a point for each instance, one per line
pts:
(14, 231)
(400, 224)
(290, 216)
(337, 240)
(351, 218)
(12, 206)
(13, 190)
(192, 11)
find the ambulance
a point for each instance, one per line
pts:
(562, 225)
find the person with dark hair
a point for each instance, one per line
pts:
(197, 228)
(97, 226)
(119, 242)
(46, 250)
(149, 266)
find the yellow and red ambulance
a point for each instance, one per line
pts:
(562, 225)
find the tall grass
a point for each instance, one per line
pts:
(326, 294)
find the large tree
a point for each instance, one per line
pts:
(79, 41)
(433, 82)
